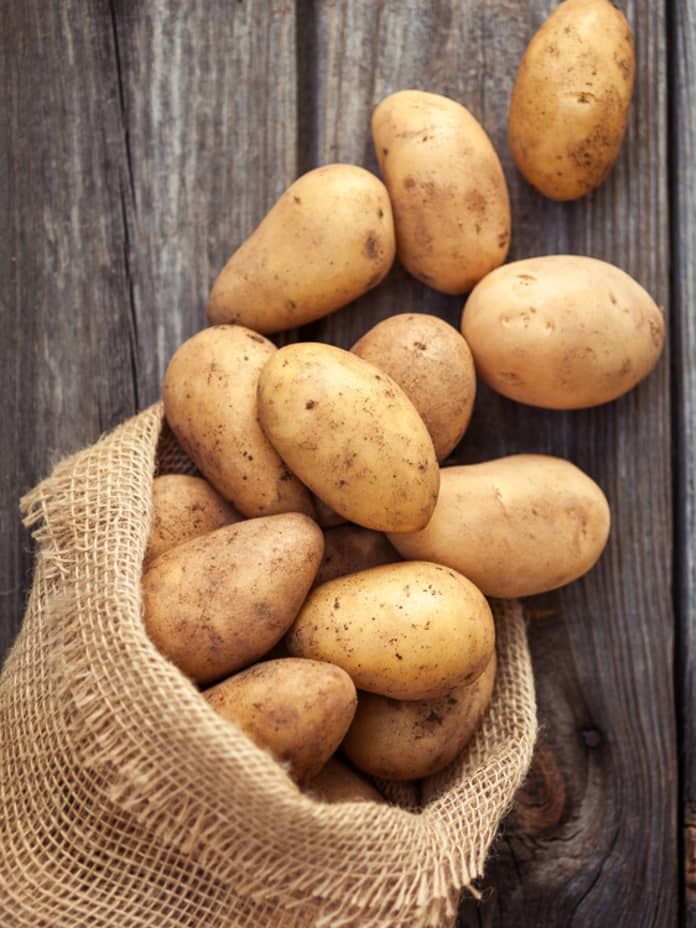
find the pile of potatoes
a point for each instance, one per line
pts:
(325, 579)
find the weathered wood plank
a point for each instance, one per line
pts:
(598, 818)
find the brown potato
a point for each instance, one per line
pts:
(326, 517)
(220, 602)
(433, 365)
(570, 102)
(399, 740)
(298, 710)
(183, 508)
(336, 782)
(350, 548)
(210, 403)
(328, 239)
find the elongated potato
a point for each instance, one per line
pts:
(447, 187)
(350, 548)
(409, 631)
(399, 740)
(433, 365)
(336, 782)
(570, 102)
(350, 434)
(562, 331)
(210, 403)
(299, 710)
(327, 240)
(220, 602)
(515, 526)
(183, 508)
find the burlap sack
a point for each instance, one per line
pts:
(126, 802)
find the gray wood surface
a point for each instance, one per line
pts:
(145, 141)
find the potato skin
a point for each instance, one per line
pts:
(351, 548)
(516, 526)
(409, 631)
(350, 434)
(399, 740)
(220, 602)
(447, 187)
(210, 403)
(336, 782)
(570, 103)
(184, 507)
(325, 515)
(299, 710)
(562, 331)
(328, 239)
(433, 365)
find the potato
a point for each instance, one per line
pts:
(351, 434)
(515, 526)
(299, 710)
(399, 740)
(570, 102)
(432, 364)
(350, 548)
(327, 240)
(447, 188)
(183, 508)
(409, 631)
(210, 404)
(326, 517)
(220, 602)
(563, 332)
(336, 782)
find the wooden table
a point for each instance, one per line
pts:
(144, 141)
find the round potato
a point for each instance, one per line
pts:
(298, 710)
(327, 240)
(336, 782)
(409, 631)
(570, 102)
(515, 526)
(210, 403)
(350, 548)
(220, 602)
(562, 331)
(183, 508)
(447, 187)
(351, 434)
(433, 365)
(399, 740)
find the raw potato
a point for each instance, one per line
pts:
(409, 631)
(562, 331)
(327, 240)
(351, 434)
(516, 526)
(183, 508)
(298, 710)
(350, 548)
(570, 102)
(433, 365)
(210, 404)
(326, 517)
(220, 602)
(399, 740)
(447, 187)
(338, 783)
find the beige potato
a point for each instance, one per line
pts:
(220, 602)
(210, 403)
(570, 103)
(183, 508)
(433, 365)
(515, 526)
(350, 548)
(328, 239)
(336, 782)
(298, 710)
(399, 740)
(351, 435)
(562, 331)
(409, 631)
(447, 187)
